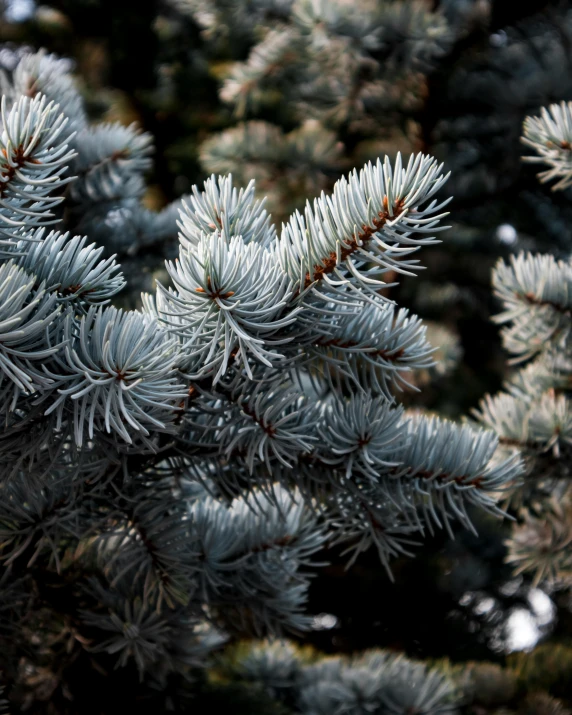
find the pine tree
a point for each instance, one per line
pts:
(533, 412)
(340, 86)
(169, 472)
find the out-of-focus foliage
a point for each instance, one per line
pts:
(533, 410)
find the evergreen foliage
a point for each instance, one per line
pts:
(333, 73)
(533, 412)
(379, 681)
(173, 475)
(444, 78)
(170, 472)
